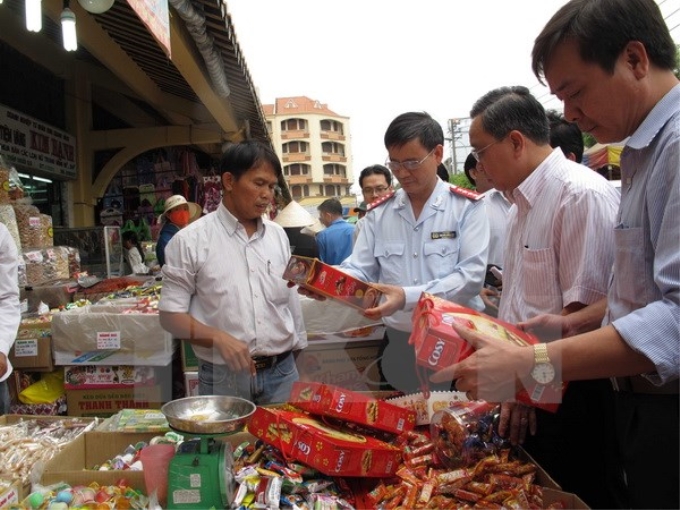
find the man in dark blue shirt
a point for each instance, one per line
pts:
(335, 241)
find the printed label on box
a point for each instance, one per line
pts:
(108, 340)
(26, 348)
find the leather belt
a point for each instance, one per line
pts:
(640, 385)
(264, 362)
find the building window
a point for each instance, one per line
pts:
(335, 169)
(296, 169)
(296, 191)
(329, 191)
(334, 148)
(295, 147)
(293, 125)
(269, 127)
(291, 104)
(306, 188)
(332, 125)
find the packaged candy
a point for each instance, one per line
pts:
(465, 433)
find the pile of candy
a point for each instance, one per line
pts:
(93, 496)
(129, 459)
(493, 482)
(266, 480)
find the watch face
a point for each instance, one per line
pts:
(543, 373)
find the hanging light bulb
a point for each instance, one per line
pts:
(33, 15)
(96, 6)
(68, 29)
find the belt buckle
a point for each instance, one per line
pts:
(264, 362)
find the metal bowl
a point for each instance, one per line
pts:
(209, 414)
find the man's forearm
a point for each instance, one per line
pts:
(586, 319)
(184, 326)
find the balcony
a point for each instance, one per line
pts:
(299, 179)
(296, 157)
(294, 134)
(332, 135)
(335, 179)
(333, 158)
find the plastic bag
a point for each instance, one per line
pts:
(46, 390)
(144, 230)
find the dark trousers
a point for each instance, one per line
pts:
(647, 432)
(577, 444)
(397, 365)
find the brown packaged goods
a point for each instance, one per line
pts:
(30, 225)
(9, 219)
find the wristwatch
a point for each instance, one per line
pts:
(543, 371)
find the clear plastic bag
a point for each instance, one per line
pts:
(466, 432)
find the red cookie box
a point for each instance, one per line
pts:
(336, 402)
(329, 450)
(314, 275)
(437, 344)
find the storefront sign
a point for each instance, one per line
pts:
(154, 14)
(30, 144)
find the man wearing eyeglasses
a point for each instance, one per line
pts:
(559, 250)
(375, 182)
(428, 236)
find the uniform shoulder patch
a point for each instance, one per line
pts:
(380, 201)
(464, 192)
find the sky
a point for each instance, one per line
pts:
(371, 60)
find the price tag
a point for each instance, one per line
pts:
(26, 348)
(108, 340)
(34, 222)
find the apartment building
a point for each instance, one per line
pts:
(314, 145)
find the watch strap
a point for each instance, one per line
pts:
(541, 354)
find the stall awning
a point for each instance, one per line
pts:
(601, 155)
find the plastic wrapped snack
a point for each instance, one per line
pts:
(47, 232)
(465, 433)
(30, 225)
(9, 219)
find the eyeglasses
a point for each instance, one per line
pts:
(409, 164)
(478, 153)
(374, 191)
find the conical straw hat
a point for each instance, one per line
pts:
(294, 215)
(313, 229)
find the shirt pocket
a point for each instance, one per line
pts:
(630, 270)
(441, 256)
(277, 287)
(541, 281)
(390, 256)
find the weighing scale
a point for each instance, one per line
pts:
(200, 474)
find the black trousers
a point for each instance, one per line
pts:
(397, 365)
(647, 432)
(577, 444)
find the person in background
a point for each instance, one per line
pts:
(565, 135)
(177, 214)
(558, 253)
(375, 181)
(442, 172)
(134, 256)
(497, 208)
(223, 291)
(612, 64)
(428, 236)
(10, 310)
(334, 241)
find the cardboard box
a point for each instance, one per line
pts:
(105, 335)
(32, 349)
(325, 400)
(191, 384)
(331, 282)
(83, 377)
(437, 344)
(330, 451)
(348, 364)
(108, 402)
(56, 408)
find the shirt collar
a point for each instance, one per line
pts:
(655, 120)
(530, 188)
(231, 223)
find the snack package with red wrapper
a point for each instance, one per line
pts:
(336, 402)
(329, 281)
(437, 345)
(331, 451)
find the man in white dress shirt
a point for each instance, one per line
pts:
(223, 291)
(558, 255)
(10, 311)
